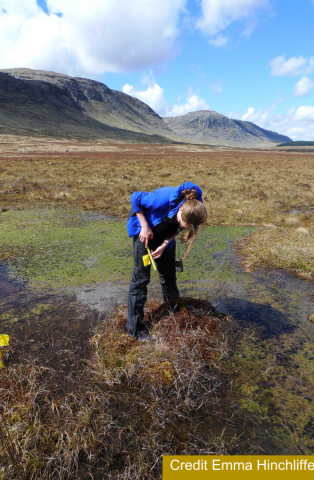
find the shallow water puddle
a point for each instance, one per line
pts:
(67, 262)
(273, 365)
(46, 327)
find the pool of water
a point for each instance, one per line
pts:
(273, 364)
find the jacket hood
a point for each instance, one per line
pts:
(174, 206)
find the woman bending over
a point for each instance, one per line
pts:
(154, 221)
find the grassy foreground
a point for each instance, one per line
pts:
(59, 248)
(273, 190)
(120, 404)
(64, 249)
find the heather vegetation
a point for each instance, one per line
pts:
(298, 143)
(111, 408)
(79, 398)
(271, 190)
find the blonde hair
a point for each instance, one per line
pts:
(193, 214)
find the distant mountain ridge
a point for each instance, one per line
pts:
(48, 103)
(210, 127)
(36, 102)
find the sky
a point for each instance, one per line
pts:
(251, 60)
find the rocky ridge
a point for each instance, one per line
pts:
(39, 102)
(210, 127)
(36, 102)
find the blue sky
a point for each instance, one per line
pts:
(248, 59)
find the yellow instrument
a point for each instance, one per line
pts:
(4, 342)
(148, 259)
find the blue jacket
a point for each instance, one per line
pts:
(156, 205)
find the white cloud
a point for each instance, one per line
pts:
(305, 113)
(154, 97)
(219, 14)
(258, 117)
(216, 87)
(193, 104)
(303, 87)
(219, 41)
(249, 113)
(261, 118)
(297, 124)
(293, 66)
(90, 36)
(251, 25)
(148, 78)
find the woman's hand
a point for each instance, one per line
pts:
(159, 251)
(145, 234)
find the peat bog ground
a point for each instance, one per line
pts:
(230, 367)
(268, 188)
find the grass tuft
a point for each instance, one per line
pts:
(125, 405)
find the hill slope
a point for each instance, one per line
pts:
(45, 103)
(209, 127)
(35, 102)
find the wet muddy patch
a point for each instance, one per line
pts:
(44, 327)
(273, 364)
(103, 298)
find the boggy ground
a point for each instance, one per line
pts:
(56, 385)
(113, 406)
(61, 248)
(110, 408)
(272, 189)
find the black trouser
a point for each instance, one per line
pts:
(140, 280)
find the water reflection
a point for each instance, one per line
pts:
(247, 313)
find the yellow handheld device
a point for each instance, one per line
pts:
(4, 341)
(152, 260)
(148, 259)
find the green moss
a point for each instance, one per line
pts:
(275, 380)
(9, 317)
(64, 248)
(208, 255)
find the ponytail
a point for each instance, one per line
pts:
(194, 215)
(188, 194)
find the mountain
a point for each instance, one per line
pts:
(46, 103)
(40, 103)
(209, 127)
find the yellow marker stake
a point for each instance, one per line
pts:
(152, 260)
(4, 342)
